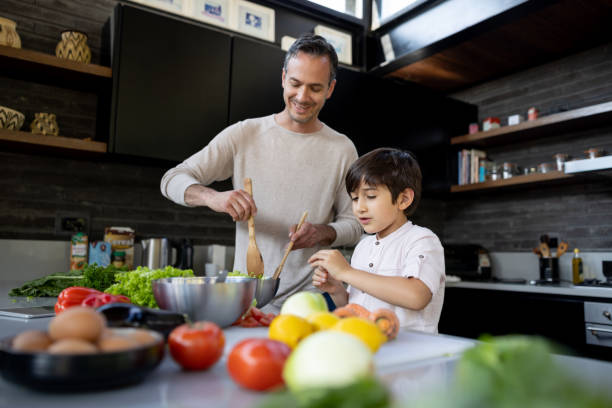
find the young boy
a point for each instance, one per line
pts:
(400, 266)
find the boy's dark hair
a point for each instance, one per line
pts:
(314, 45)
(396, 169)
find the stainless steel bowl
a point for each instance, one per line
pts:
(203, 298)
(266, 289)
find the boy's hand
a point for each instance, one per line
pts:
(332, 261)
(322, 280)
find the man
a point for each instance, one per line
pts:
(296, 163)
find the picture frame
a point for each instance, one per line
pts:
(342, 42)
(173, 6)
(286, 42)
(216, 12)
(255, 20)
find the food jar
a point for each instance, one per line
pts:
(545, 167)
(508, 170)
(491, 171)
(594, 152)
(560, 159)
(119, 258)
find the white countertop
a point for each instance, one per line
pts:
(561, 288)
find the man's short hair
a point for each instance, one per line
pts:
(314, 45)
(394, 168)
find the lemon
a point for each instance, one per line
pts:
(290, 329)
(365, 330)
(322, 320)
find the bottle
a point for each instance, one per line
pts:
(119, 258)
(577, 276)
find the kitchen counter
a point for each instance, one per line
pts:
(562, 288)
(412, 366)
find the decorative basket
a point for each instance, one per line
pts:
(8, 33)
(10, 118)
(44, 124)
(73, 46)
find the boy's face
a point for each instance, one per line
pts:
(374, 207)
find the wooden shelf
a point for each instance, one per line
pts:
(64, 143)
(47, 68)
(545, 126)
(516, 180)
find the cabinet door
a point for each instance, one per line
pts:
(170, 85)
(256, 80)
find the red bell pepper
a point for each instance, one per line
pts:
(72, 296)
(99, 299)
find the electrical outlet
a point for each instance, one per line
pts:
(69, 223)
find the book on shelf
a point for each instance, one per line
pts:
(471, 166)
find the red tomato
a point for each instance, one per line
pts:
(197, 346)
(257, 364)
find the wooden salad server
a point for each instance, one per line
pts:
(254, 261)
(289, 247)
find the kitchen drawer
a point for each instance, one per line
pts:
(599, 334)
(595, 312)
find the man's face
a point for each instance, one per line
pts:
(306, 86)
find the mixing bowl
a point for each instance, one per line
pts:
(203, 298)
(266, 289)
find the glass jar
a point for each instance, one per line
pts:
(545, 167)
(118, 258)
(508, 170)
(491, 171)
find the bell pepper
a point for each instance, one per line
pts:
(99, 299)
(72, 296)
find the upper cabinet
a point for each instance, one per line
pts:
(170, 87)
(256, 79)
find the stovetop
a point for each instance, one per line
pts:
(597, 283)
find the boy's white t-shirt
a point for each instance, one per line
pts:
(409, 251)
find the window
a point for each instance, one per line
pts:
(351, 7)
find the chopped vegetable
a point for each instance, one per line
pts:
(73, 296)
(137, 284)
(50, 285)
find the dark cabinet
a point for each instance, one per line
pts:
(170, 85)
(256, 80)
(474, 312)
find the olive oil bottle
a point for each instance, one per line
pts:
(577, 276)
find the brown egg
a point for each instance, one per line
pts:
(72, 346)
(31, 340)
(77, 322)
(116, 343)
(142, 336)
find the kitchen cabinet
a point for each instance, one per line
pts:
(583, 118)
(44, 68)
(256, 80)
(471, 313)
(171, 84)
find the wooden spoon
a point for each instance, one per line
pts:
(289, 247)
(545, 250)
(254, 261)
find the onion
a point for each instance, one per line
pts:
(327, 359)
(303, 304)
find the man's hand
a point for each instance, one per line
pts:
(237, 203)
(332, 261)
(310, 235)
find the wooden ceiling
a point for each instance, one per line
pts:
(545, 34)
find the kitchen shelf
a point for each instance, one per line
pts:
(544, 126)
(516, 180)
(64, 143)
(46, 68)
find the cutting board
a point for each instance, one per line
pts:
(408, 347)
